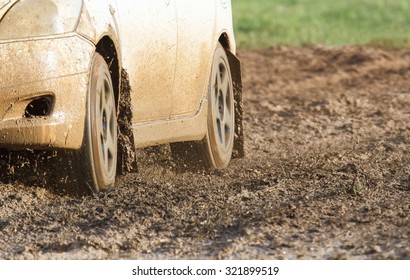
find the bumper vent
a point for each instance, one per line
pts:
(39, 107)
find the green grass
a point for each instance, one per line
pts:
(263, 23)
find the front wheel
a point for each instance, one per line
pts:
(96, 162)
(218, 144)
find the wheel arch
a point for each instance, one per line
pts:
(106, 48)
(225, 41)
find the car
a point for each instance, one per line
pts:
(90, 78)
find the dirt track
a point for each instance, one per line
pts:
(327, 175)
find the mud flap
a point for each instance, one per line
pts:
(239, 144)
(127, 162)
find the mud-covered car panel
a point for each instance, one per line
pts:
(62, 129)
(55, 69)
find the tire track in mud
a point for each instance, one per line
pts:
(326, 175)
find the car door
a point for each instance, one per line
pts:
(149, 46)
(196, 24)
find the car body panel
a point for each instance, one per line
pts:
(149, 45)
(176, 130)
(4, 6)
(40, 67)
(97, 21)
(38, 18)
(196, 39)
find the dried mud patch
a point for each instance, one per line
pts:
(326, 176)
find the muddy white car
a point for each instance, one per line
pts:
(81, 76)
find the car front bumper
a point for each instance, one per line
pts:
(56, 68)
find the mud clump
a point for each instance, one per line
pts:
(127, 158)
(239, 141)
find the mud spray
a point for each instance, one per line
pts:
(239, 144)
(126, 149)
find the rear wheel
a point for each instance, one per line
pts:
(218, 144)
(96, 162)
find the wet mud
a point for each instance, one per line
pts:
(239, 140)
(326, 176)
(127, 158)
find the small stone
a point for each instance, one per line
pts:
(377, 249)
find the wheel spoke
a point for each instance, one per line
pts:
(109, 129)
(110, 148)
(103, 147)
(215, 98)
(107, 95)
(218, 80)
(219, 116)
(109, 114)
(225, 86)
(101, 97)
(110, 132)
(228, 116)
(106, 153)
(216, 90)
(222, 133)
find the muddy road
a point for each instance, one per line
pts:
(326, 176)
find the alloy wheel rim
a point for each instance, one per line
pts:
(222, 106)
(106, 127)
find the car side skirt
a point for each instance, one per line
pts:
(174, 130)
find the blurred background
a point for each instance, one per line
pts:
(263, 23)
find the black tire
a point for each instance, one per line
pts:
(96, 163)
